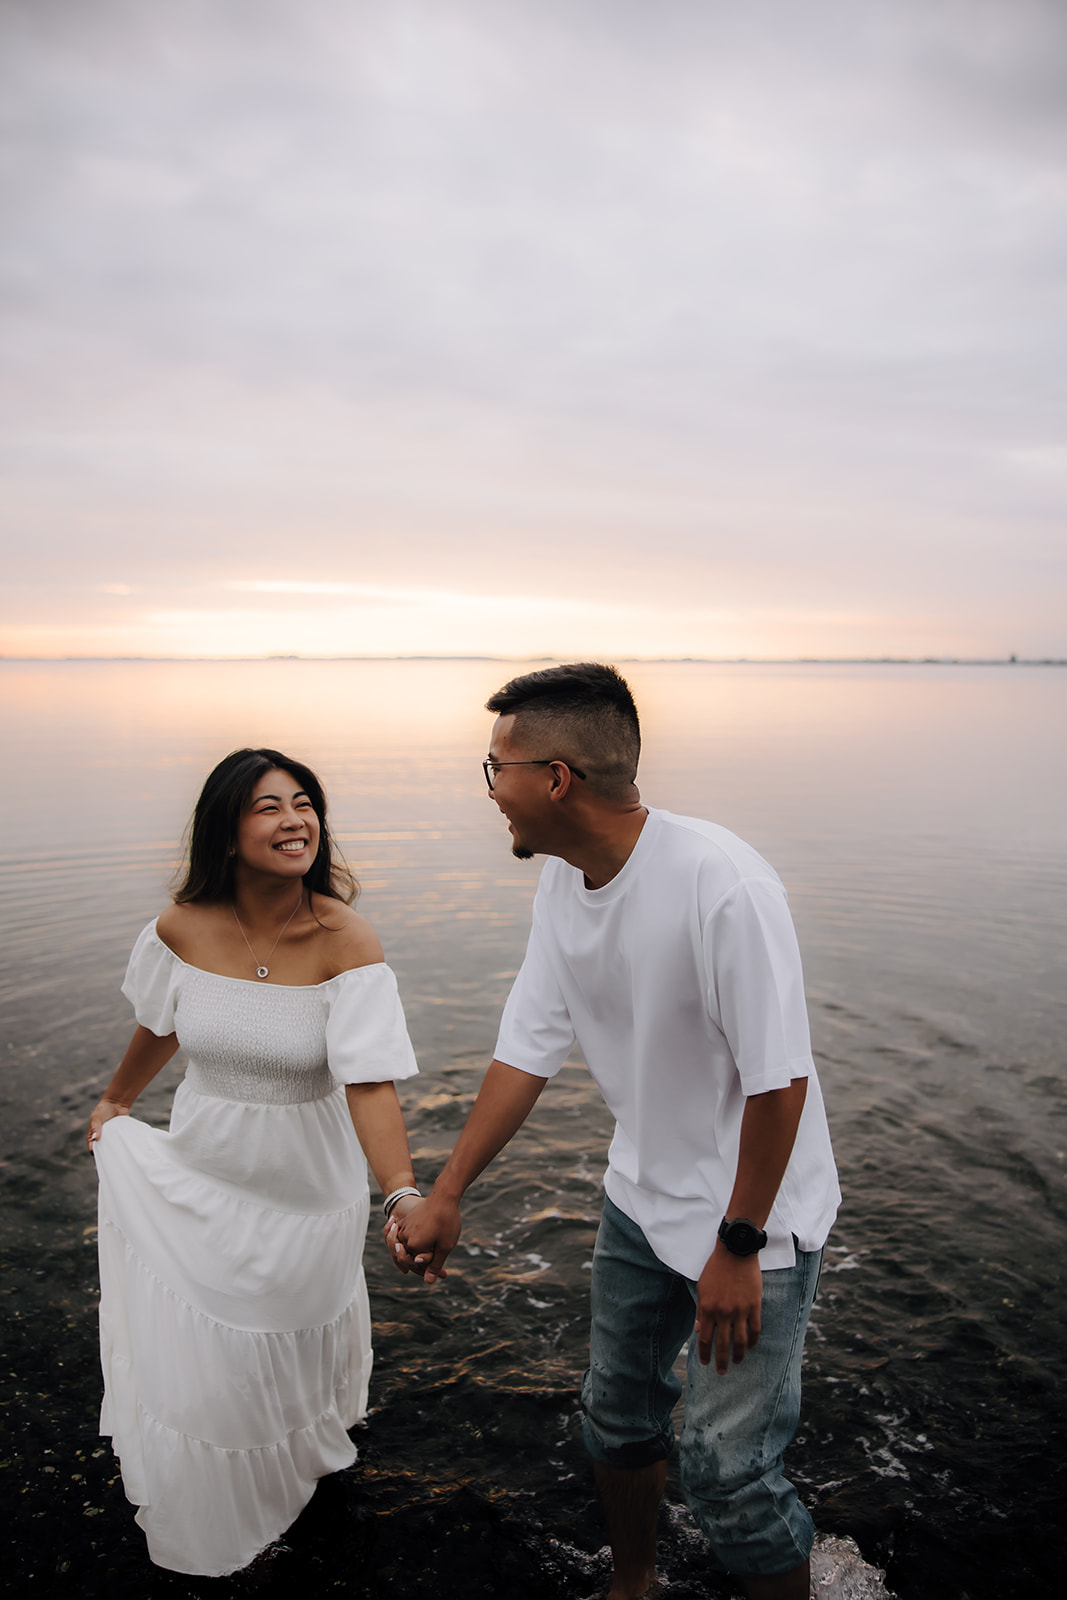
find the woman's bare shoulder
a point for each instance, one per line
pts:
(181, 927)
(352, 942)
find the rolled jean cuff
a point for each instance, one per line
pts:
(629, 1454)
(628, 1457)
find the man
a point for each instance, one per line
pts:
(664, 946)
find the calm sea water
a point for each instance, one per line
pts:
(916, 814)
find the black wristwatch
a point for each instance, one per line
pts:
(741, 1237)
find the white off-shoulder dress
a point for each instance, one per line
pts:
(234, 1322)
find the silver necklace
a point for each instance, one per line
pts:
(262, 969)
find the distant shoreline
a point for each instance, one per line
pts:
(695, 661)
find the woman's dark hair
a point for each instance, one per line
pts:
(212, 833)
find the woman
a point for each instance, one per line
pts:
(234, 1323)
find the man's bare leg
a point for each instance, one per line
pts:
(630, 1498)
(792, 1585)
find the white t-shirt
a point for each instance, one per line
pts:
(681, 982)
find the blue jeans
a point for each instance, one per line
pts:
(736, 1426)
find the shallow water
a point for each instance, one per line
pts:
(916, 816)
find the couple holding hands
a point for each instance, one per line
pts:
(234, 1322)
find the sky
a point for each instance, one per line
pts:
(604, 328)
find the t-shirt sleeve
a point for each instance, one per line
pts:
(756, 985)
(151, 984)
(536, 1033)
(366, 1034)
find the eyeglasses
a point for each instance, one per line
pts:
(491, 768)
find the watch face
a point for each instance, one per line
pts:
(742, 1238)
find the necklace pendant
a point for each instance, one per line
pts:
(262, 969)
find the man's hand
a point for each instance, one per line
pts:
(729, 1297)
(421, 1240)
(401, 1259)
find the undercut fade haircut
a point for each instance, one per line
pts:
(582, 713)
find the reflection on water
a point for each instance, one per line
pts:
(960, 752)
(916, 815)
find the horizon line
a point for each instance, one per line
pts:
(721, 661)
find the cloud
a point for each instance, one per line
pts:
(758, 301)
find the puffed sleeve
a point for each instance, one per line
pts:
(366, 1034)
(151, 984)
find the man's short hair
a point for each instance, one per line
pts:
(582, 713)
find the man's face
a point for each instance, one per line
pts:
(520, 790)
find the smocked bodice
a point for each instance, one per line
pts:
(255, 1042)
(267, 1043)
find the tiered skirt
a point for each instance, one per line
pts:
(234, 1322)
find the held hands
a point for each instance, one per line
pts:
(420, 1234)
(729, 1296)
(402, 1209)
(103, 1112)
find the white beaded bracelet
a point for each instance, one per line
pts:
(399, 1194)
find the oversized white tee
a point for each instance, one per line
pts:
(681, 982)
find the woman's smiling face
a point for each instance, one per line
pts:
(279, 831)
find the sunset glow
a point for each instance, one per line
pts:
(504, 331)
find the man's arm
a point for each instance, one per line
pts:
(423, 1238)
(730, 1290)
